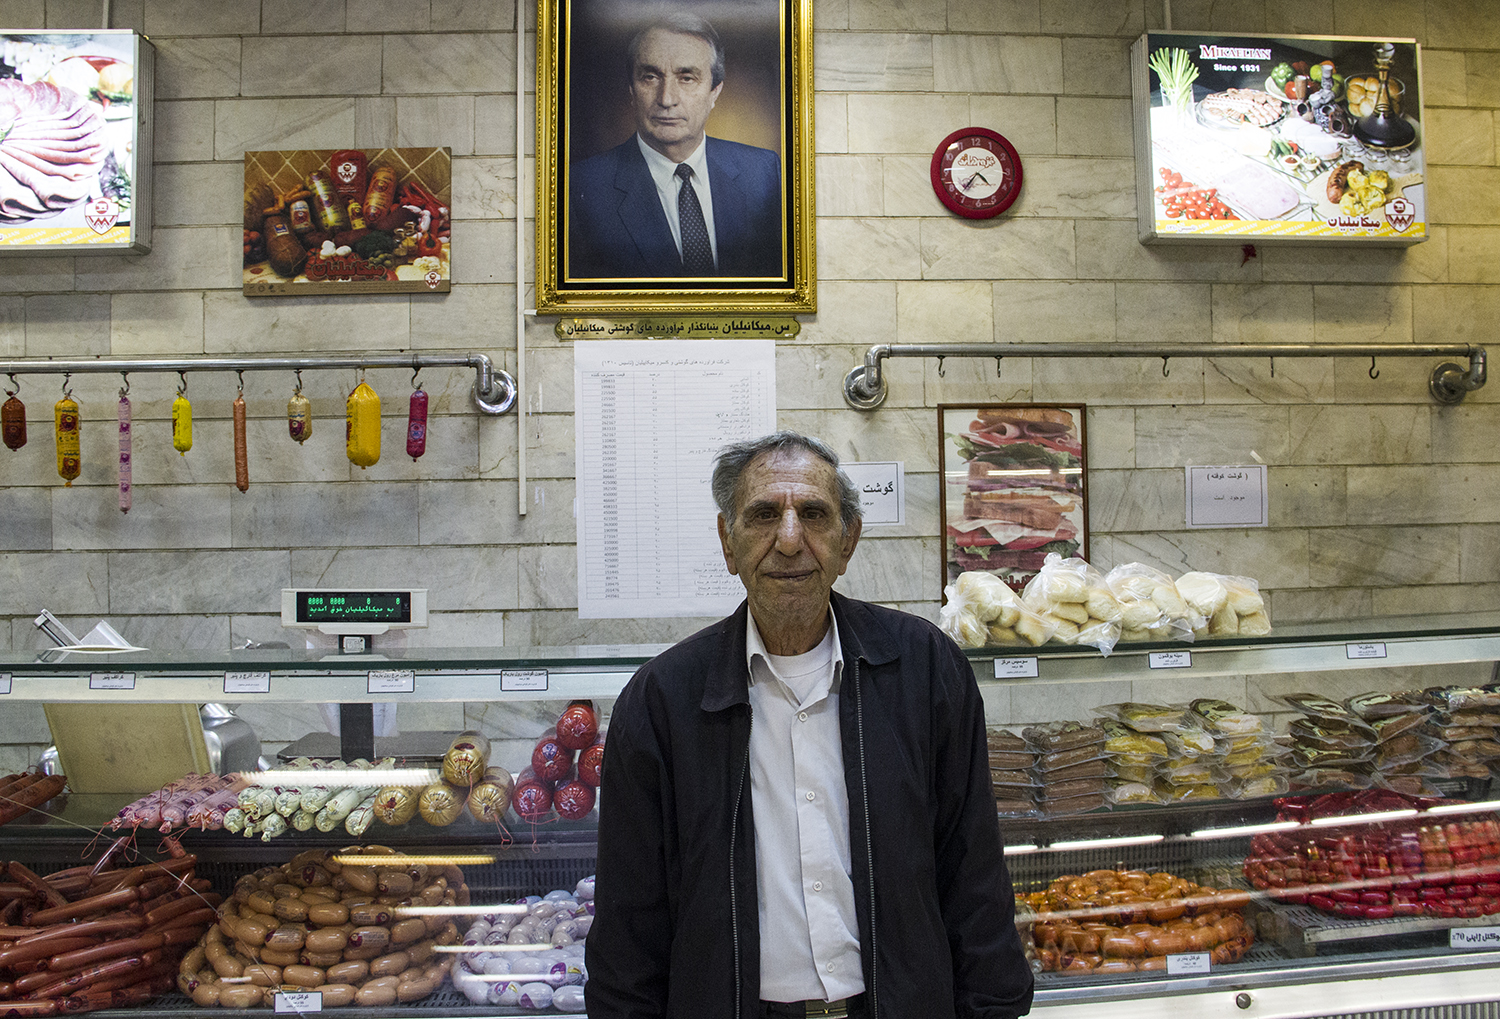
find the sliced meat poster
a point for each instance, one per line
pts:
(1013, 488)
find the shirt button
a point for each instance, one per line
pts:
(810, 796)
(817, 886)
(801, 716)
(830, 967)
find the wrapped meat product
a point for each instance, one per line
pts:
(578, 725)
(1144, 717)
(1063, 735)
(1225, 719)
(1371, 706)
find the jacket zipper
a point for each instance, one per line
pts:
(734, 910)
(864, 792)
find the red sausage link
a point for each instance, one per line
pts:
(31, 880)
(14, 956)
(183, 904)
(99, 953)
(92, 975)
(33, 795)
(124, 923)
(84, 907)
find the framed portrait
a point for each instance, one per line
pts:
(674, 157)
(1013, 478)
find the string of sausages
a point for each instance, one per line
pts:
(24, 791)
(94, 937)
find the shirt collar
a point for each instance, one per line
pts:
(755, 647)
(664, 170)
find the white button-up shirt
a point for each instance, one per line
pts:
(809, 932)
(664, 175)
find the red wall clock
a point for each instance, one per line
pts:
(976, 173)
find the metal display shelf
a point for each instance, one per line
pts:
(1300, 929)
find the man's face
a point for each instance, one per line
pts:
(787, 545)
(672, 90)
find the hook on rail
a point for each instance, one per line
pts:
(13, 382)
(1164, 372)
(125, 387)
(941, 374)
(67, 393)
(297, 389)
(997, 366)
(182, 383)
(414, 373)
(1373, 373)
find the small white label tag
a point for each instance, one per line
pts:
(112, 681)
(1170, 660)
(523, 679)
(1474, 937)
(299, 1001)
(1015, 668)
(1188, 964)
(4, 682)
(247, 682)
(392, 681)
(1364, 650)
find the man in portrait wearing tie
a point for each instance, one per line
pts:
(671, 202)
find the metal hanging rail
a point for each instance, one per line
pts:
(494, 389)
(865, 385)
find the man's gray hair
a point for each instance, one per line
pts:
(684, 23)
(731, 461)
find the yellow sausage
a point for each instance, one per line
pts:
(299, 418)
(362, 426)
(391, 965)
(415, 990)
(206, 995)
(290, 908)
(336, 995)
(303, 976)
(182, 424)
(326, 939)
(378, 992)
(351, 972)
(322, 960)
(66, 424)
(265, 976)
(327, 914)
(241, 995)
(279, 957)
(287, 938)
(404, 932)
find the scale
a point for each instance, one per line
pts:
(355, 617)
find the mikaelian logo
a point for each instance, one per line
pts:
(101, 214)
(346, 171)
(1400, 214)
(1232, 53)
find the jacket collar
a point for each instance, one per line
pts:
(728, 682)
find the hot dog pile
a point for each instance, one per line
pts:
(97, 937)
(1109, 921)
(1410, 866)
(337, 923)
(24, 791)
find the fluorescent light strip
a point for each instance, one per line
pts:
(1244, 829)
(1375, 818)
(399, 860)
(474, 949)
(471, 910)
(1128, 840)
(341, 778)
(1018, 850)
(1464, 808)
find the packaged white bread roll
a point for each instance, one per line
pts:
(1150, 606)
(1232, 606)
(1075, 595)
(982, 611)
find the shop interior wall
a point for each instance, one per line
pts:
(1381, 503)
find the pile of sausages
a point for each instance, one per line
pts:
(198, 801)
(1109, 921)
(320, 923)
(22, 792)
(89, 938)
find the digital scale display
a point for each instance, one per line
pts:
(354, 607)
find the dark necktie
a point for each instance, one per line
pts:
(697, 253)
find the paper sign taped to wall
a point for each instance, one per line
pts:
(1234, 496)
(882, 495)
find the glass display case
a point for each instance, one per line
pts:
(1324, 901)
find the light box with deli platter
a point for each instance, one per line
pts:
(348, 221)
(1264, 139)
(75, 142)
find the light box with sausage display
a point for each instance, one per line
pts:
(1304, 139)
(347, 221)
(75, 142)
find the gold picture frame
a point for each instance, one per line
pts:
(601, 246)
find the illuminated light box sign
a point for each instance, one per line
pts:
(1258, 138)
(75, 142)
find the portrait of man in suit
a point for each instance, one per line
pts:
(672, 201)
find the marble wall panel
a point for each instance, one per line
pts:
(907, 186)
(156, 324)
(61, 581)
(936, 311)
(182, 131)
(971, 380)
(999, 706)
(201, 194)
(202, 67)
(495, 125)
(997, 249)
(1479, 550)
(1464, 195)
(304, 16)
(1305, 606)
(812, 377)
(1260, 314)
(452, 449)
(1474, 255)
(28, 518)
(1344, 314)
(1096, 67)
(1133, 500)
(1451, 23)
(1096, 127)
(1390, 556)
(383, 16)
(202, 581)
(1312, 496)
(1427, 262)
(1302, 17)
(160, 516)
(1276, 558)
(549, 447)
(1110, 249)
(1037, 701)
(1084, 187)
(1294, 380)
(471, 316)
(182, 258)
(895, 569)
(1210, 16)
(1464, 434)
(67, 325)
(298, 516)
(1460, 136)
(830, 122)
(484, 187)
(850, 185)
(905, 16)
(914, 124)
(548, 577)
(1092, 17)
(562, 627)
(1180, 436)
(437, 120)
(1110, 436)
(995, 63)
(549, 379)
(475, 577)
(12, 327)
(14, 759)
(891, 433)
(1126, 380)
(1163, 312)
(1443, 75)
(1020, 16)
(484, 513)
(1450, 314)
(27, 14)
(374, 121)
(291, 65)
(189, 17)
(872, 62)
(1394, 380)
(1481, 78)
(1416, 494)
(472, 16)
(166, 633)
(1055, 311)
(1359, 435)
(863, 249)
(235, 325)
(449, 63)
(460, 629)
(257, 125)
(484, 252)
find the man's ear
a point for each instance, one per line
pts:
(724, 544)
(851, 538)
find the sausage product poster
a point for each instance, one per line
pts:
(650, 417)
(347, 221)
(1013, 488)
(74, 116)
(1258, 137)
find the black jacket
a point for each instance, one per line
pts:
(676, 927)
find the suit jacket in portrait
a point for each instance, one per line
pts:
(617, 228)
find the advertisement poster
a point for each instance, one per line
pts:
(1260, 138)
(347, 221)
(71, 126)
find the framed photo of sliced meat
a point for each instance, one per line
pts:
(1014, 487)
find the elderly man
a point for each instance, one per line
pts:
(797, 818)
(670, 201)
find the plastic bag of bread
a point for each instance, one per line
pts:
(982, 611)
(1150, 607)
(1073, 595)
(1231, 605)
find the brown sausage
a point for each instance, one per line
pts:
(350, 972)
(322, 960)
(391, 965)
(241, 456)
(35, 951)
(328, 914)
(274, 957)
(327, 939)
(287, 938)
(25, 876)
(369, 937)
(337, 995)
(408, 930)
(415, 990)
(303, 976)
(33, 795)
(264, 975)
(241, 995)
(87, 907)
(207, 995)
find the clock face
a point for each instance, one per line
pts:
(976, 173)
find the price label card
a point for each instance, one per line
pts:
(4, 683)
(247, 682)
(1015, 668)
(391, 681)
(512, 680)
(1170, 660)
(1474, 937)
(112, 681)
(1188, 964)
(1356, 651)
(299, 1001)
